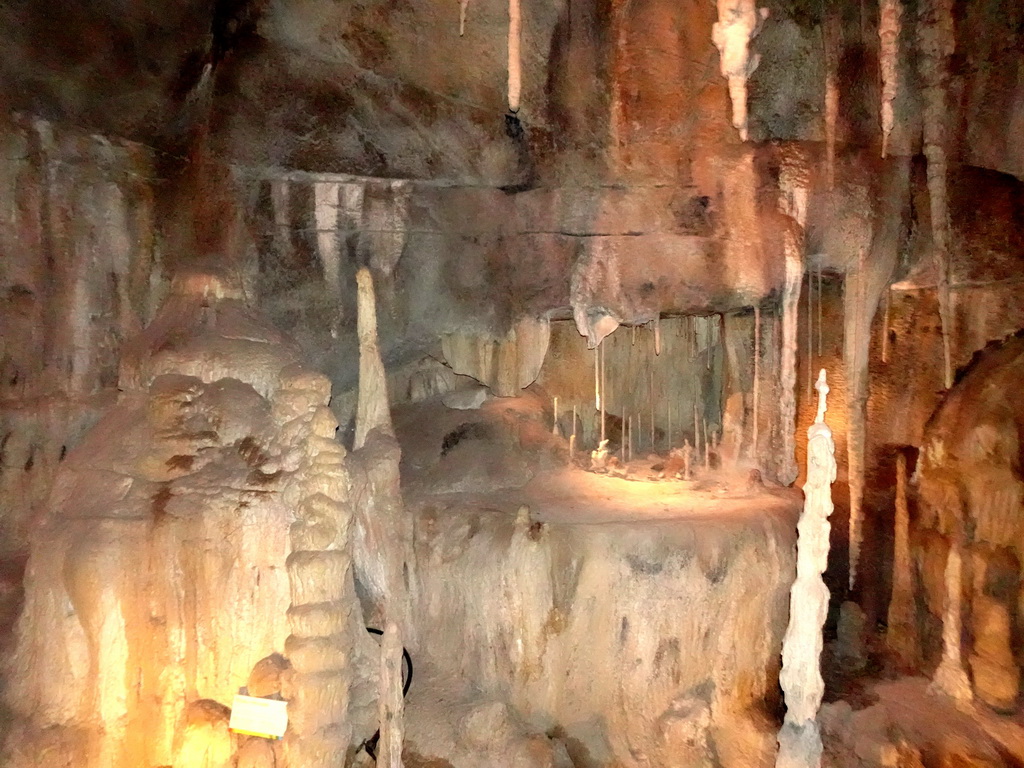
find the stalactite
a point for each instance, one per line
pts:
(935, 39)
(856, 327)
(890, 14)
(279, 203)
(514, 62)
(738, 23)
(604, 391)
(757, 385)
(831, 30)
(800, 678)
(866, 282)
(820, 301)
(901, 635)
(657, 336)
(372, 409)
(810, 333)
(463, 7)
(793, 245)
(885, 327)
(326, 196)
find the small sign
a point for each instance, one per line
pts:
(266, 718)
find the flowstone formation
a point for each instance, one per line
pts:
(969, 527)
(197, 533)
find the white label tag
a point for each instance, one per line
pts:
(267, 718)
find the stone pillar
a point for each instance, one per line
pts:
(901, 636)
(320, 572)
(802, 685)
(950, 677)
(390, 703)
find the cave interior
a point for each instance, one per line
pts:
(637, 372)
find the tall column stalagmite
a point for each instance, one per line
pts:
(951, 677)
(382, 535)
(390, 704)
(802, 684)
(324, 610)
(901, 636)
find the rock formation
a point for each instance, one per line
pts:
(802, 685)
(901, 635)
(135, 593)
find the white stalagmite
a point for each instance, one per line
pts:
(514, 63)
(372, 409)
(901, 636)
(890, 14)
(935, 39)
(951, 677)
(738, 23)
(793, 245)
(390, 705)
(800, 678)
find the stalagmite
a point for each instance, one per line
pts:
(372, 409)
(389, 703)
(901, 636)
(935, 39)
(951, 677)
(793, 245)
(890, 14)
(800, 678)
(320, 573)
(738, 23)
(514, 37)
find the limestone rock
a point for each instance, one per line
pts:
(993, 668)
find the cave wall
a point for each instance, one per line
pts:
(78, 276)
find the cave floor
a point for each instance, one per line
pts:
(902, 722)
(573, 495)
